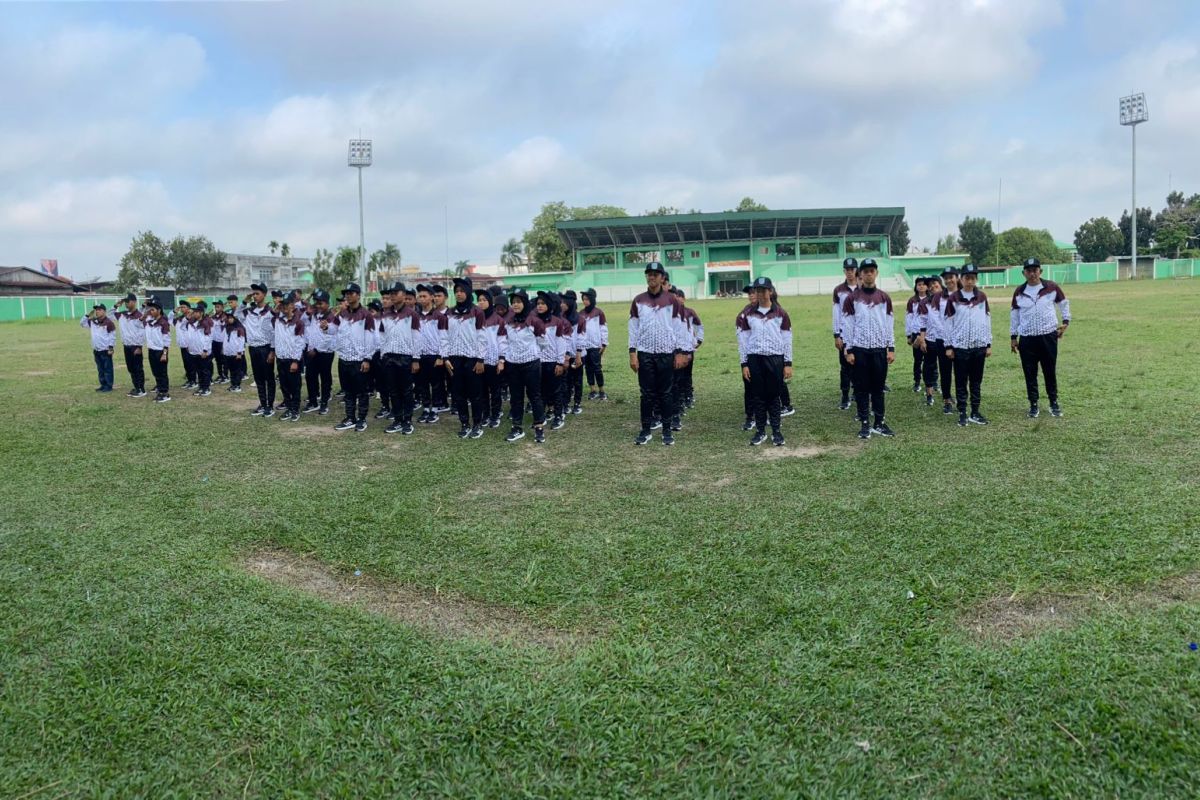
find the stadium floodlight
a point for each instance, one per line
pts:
(359, 157)
(1133, 112)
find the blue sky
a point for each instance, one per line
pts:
(230, 119)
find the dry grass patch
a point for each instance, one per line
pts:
(437, 613)
(806, 451)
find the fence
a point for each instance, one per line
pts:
(15, 309)
(1085, 272)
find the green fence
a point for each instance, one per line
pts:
(1083, 272)
(14, 309)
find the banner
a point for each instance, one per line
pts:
(50, 266)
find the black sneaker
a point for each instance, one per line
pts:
(295, 416)
(656, 424)
(360, 426)
(916, 388)
(603, 396)
(406, 429)
(464, 431)
(258, 412)
(929, 400)
(882, 429)
(777, 439)
(285, 416)
(1055, 411)
(515, 435)
(667, 438)
(393, 428)
(281, 406)
(131, 393)
(338, 393)
(432, 418)
(270, 412)
(643, 437)
(748, 425)
(558, 424)
(382, 413)
(691, 403)
(344, 425)
(163, 398)
(235, 389)
(947, 408)
(865, 431)
(676, 425)
(323, 411)
(886, 388)
(494, 422)
(844, 405)
(1034, 411)
(476, 432)
(190, 385)
(786, 411)
(758, 438)
(539, 435)
(962, 420)
(577, 409)
(977, 419)
(310, 408)
(201, 393)
(441, 410)
(593, 396)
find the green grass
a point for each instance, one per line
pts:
(748, 615)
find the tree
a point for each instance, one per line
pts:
(195, 263)
(144, 264)
(544, 247)
(345, 265)
(285, 250)
(1017, 244)
(322, 271)
(510, 254)
(273, 246)
(899, 243)
(750, 204)
(461, 266)
(975, 236)
(1098, 239)
(1172, 237)
(948, 244)
(1145, 230)
(662, 211)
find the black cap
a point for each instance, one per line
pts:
(762, 283)
(185, 304)
(653, 266)
(678, 293)
(276, 293)
(423, 287)
(549, 298)
(485, 293)
(867, 263)
(288, 299)
(100, 306)
(320, 296)
(748, 288)
(397, 287)
(130, 297)
(231, 297)
(352, 287)
(1031, 262)
(154, 303)
(218, 302)
(437, 288)
(589, 293)
(375, 305)
(970, 269)
(950, 271)
(200, 306)
(258, 287)
(571, 294)
(410, 292)
(850, 263)
(464, 282)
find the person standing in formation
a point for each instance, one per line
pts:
(441, 377)
(937, 317)
(289, 342)
(494, 333)
(132, 325)
(218, 343)
(104, 339)
(933, 337)
(1034, 331)
(200, 348)
(554, 361)
(318, 375)
(916, 314)
(258, 321)
(656, 338)
(432, 350)
(466, 346)
(399, 342)
(233, 345)
(765, 352)
(686, 391)
(183, 334)
(840, 293)
(158, 343)
(355, 336)
(572, 386)
(594, 329)
(524, 352)
(969, 317)
(868, 330)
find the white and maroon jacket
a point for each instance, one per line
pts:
(233, 336)
(464, 336)
(494, 333)
(200, 336)
(695, 326)
(317, 339)
(1034, 315)
(556, 349)
(593, 328)
(762, 333)
(840, 293)
(868, 322)
(104, 332)
(400, 332)
(356, 336)
(527, 341)
(934, 323)
(259, 324)
(969, 320)
(434, 329)
(656, 324)
(566, 338)
(133, 327)
(183, 332)
(158, 333)
(916, 316)
(290, 341)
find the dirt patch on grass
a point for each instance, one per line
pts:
(806, 451)
(37, 374)
(1001, 620)
(435, 612)
(301, 431)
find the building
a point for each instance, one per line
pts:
(277, 272)
(16, 281)
(711, 255)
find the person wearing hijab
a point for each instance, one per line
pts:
(572, 386)
(593, 328)
(554, 361)
(528, 343)
(466, 347)
(494, 333)
(500, 301)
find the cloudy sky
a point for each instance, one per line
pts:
(231, 119)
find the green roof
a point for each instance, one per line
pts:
(1061, 245)
(729, 226)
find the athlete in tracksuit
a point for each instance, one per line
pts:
(131, 324)
(526, 347)
(657, 335)
(868, 330)
(432, 351)
(318, 374)
(399, 343)
(695, 338)
(233, 340)
(969, 318)
(104, 339)
(554, 360)
(290, 343)
(572, 384)
(915, 315)
(764, 335)
(355, 341)
(466, 347)
(200, 347)
(840, 293)
(258, 320)
(158, 344)
(1034, 331)
(494, 333)
(593, 327)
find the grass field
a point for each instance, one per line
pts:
(596, 619)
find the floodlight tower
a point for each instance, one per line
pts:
(360, 156)
(1133, 112)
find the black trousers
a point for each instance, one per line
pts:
(845, 373)
(375, 379)
(491, 383)
(264, 376)
(656, 380)
(918, 362)
(934, 351)
(441, 386)
(747, 398)
(162, 379)
(525, 383)
(466, 390)
(870, 374)
(593, 368)
(236, 366)
(319, 377)
(289, 382)
(397, 380)
(218, 354)
(203, 365)
(354, 383)
(137, 370)
(1040, 351)
(968, 376)
(766, 380)
(574, 384)
(425, 380)
(946, 369)
(551, 388)
(189, 365)
(683, 381)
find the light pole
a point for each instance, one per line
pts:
(360, 156)
(1133, 112)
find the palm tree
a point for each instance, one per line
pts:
(460, 267)
(284, 250)
(510, 254)
(391, 256)
(273, 246)
(448, 273)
